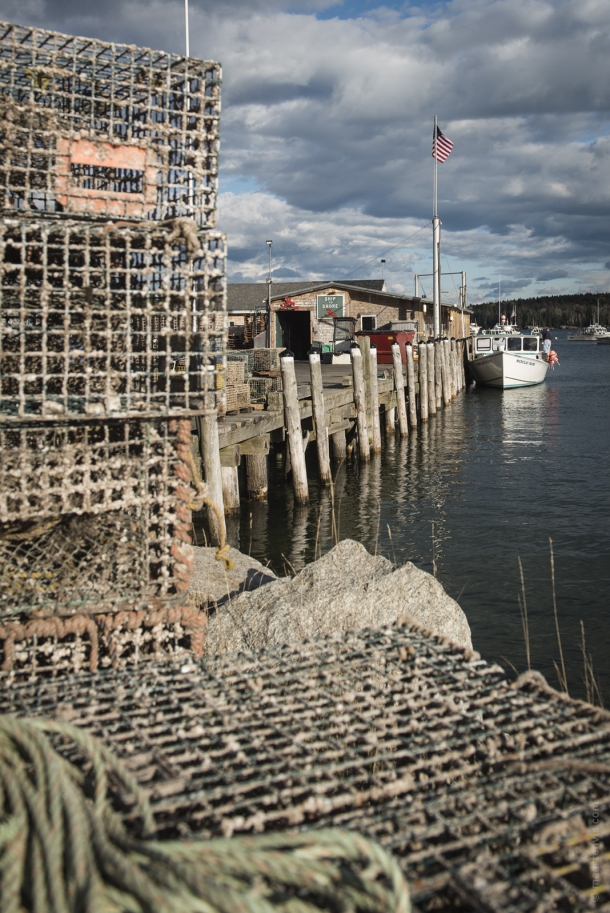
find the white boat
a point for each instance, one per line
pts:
(535, 331)
(592, 333)
(504, 360)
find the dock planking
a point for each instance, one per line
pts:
(342, 394)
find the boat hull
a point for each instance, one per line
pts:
(507, 369)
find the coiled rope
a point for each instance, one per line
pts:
(63, 848)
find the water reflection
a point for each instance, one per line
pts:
(497, 473)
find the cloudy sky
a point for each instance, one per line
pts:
(327, 125)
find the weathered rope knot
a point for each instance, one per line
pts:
(222, 554)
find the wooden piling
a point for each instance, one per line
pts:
(445, 371)
(230, 458)
(230, 488)
(360, 404)
(431, 380)
(399, 384)
(207, 430)
(452, 372)
(422, 358)
(390, 419)
(411, 388)
(292, 420)
(364, 344)
(257, 481)
(374, 387)
(438, 379)
(319, 417)
(462, 365)
(339, 446)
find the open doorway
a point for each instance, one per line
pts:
(296, 332)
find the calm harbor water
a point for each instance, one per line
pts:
(488, 480)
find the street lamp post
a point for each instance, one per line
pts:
(269, 281)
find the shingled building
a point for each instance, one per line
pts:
(305, 312)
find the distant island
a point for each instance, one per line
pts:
(550, 310)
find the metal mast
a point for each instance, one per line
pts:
(436, 245)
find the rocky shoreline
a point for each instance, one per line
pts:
(347, 589)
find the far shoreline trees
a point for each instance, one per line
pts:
(549, 310)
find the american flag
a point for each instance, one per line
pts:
(441, 147)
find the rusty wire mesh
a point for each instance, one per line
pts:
(494, 797)
(106, 321)
(93, 518)
(104, 129)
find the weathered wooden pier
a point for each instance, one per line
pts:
(339, 407)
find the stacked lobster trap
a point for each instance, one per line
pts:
(112, 337)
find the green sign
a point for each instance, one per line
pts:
(330, 306)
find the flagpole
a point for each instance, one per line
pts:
(435, 186)
(436, 245)
(186, 27)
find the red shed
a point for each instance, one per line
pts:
(383, 339)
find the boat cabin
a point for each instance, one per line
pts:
(486, 345)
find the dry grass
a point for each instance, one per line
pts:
(592, 688)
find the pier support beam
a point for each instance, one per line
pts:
(364, 449)
(229, 462)
(292, 420)
(390, 419)
(364, 344)
(411, 387)
(445, 372)
(438, 380)
(230, 488)
(257, 482)
(207, 431)
(374, 387)
(339, 445)
(319, 417)
(462, 346)
(452, 373)
(431, 380)
(422, 359)
(399, 383)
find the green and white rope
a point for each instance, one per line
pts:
(64, 849)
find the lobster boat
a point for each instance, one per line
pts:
(505, 361)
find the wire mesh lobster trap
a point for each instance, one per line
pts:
(93, 518)
(107, 321)
(104, 130)
(492, 796)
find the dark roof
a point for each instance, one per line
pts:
(249, 296)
